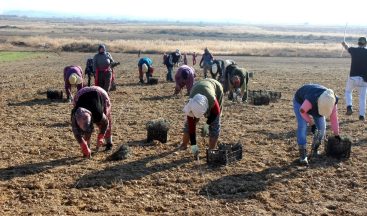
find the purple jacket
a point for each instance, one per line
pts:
(67, 72)
(183, 71)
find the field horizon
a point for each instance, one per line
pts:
(60, 35)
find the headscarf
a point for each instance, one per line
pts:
(83, 119)
(197, 106)
(102, 46)
(326, 103)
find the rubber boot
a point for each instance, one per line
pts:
(303, 156)
(315, 145)
(108, 143)
(349, 110)
(148, 77)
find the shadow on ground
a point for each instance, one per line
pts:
(247, 185)
(34, 102)
(157, 98)
(134, 170)
(34, 168)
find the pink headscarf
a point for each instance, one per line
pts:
(83, 118)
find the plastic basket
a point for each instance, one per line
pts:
(154, 134)
(224, 155)
(54, 94)
(274, 96)
(157, 130)
(153, 81)
(338, 149)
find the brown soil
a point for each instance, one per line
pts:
(42, 171)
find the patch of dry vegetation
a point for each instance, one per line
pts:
(153, 38)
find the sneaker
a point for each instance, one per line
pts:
(303, 156)
(182, 147)
(108, 147)
(316, 142)
(361, 118)
(349, 110)
(315, 152)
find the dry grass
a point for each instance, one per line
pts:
(84, 36)
(218, 47)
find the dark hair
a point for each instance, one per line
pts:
(184, 74)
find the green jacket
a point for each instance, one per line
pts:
(210, 88)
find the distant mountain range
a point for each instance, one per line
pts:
(45, 14)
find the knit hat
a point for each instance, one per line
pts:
(144, 68)
(197, 106)
(362, 41)
(326, 103)
(74, 79)
(100, 47)
(83, 118)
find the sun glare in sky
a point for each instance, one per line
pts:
(255, 11)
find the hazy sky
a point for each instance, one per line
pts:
(253, 11)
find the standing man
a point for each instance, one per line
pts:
(185, 59)
(89, 70)
(194, 55)
(102, 68)
(357, 77)
(206, 62)
(170, 60)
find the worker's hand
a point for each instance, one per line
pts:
(343, 43)
(100, 140)
(195, 151)
(85, 149)
(205, 130)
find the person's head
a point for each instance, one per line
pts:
(236, 81)
(83, 119)
(151, 70)
(206, 50)
(362, 41)
(74, 79)
(197, 106)
(102, 48)
(326, 103)
(184, 74)
(144, 68)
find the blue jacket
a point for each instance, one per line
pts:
(311, 92)
(146, 61)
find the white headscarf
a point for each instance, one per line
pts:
(326, 103)
(197, 106)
